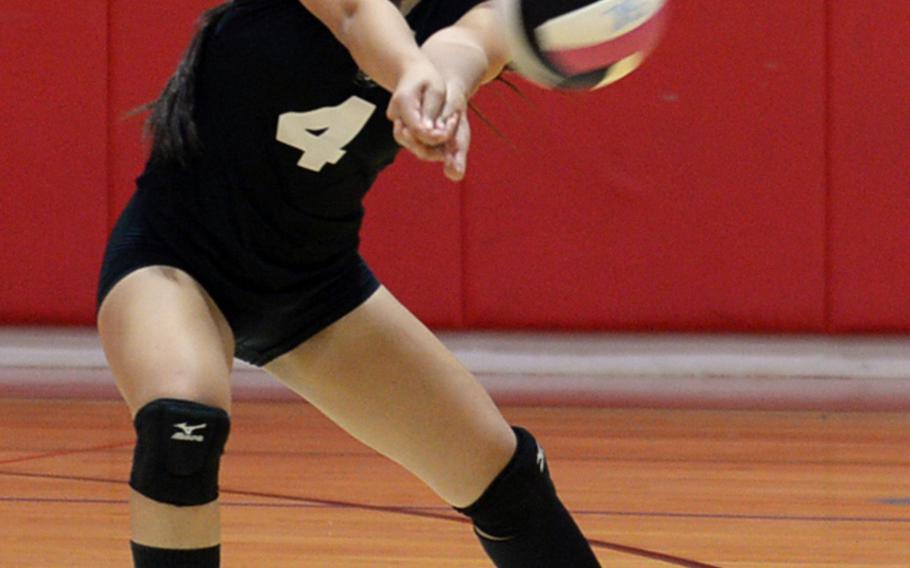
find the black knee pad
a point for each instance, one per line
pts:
(178, 451)
(520, 520)
(520, 493)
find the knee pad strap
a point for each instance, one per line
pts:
(178, 451)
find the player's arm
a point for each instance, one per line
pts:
(467, 54)
(374, 32)
(381, 42)
(471, 52)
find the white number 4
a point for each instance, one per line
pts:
(323, 133)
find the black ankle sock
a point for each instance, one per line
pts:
(150, 557)
(520, 520)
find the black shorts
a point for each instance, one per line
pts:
(267, 320)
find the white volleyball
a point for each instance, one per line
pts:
(581, 44)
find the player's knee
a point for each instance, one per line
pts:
(178, 451)
(519, 493)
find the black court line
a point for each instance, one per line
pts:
(405, 511)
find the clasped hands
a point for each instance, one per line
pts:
(430, 118)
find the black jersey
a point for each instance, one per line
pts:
(266, 218)
(293, 135)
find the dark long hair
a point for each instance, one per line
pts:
(171, 123)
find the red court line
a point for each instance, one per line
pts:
(308, 503)
(410, 512)
(644, 553)
(606, 459)
(60, 453)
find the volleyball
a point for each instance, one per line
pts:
(581, 44)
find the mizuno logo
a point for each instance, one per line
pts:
(541, 459)
(186, 432)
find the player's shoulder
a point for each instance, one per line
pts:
(272, 41)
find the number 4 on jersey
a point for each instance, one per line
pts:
(323, 133)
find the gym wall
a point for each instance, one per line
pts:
(754, 175)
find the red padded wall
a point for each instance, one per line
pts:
(52, 159)
(870, 166)
(412, 239)
(688, 196)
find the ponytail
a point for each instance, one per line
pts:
(171, 123)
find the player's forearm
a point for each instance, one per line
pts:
(374, 32)
(471, 52)
(459, 60)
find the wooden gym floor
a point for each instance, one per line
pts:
(651, 488)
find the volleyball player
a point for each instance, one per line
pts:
(242, 240)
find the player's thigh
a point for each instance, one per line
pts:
(385, 378)
(164, 337)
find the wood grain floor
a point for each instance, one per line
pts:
(650, 488)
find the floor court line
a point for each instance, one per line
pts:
(762, 527)
(650, 554)
(328, 503)
(126, 447)
(61, 453)
(314, 503)
(438, 512)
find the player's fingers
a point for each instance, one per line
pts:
(405, 106)
(405, 138)
(447, 125)
(432, 103)
(427, 131)
(456, 162)
(455, 105)
(428, 153)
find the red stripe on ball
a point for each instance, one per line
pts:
(602, 55)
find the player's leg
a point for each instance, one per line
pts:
(171, 352)
(383, 377)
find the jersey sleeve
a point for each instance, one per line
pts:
(430, 16)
